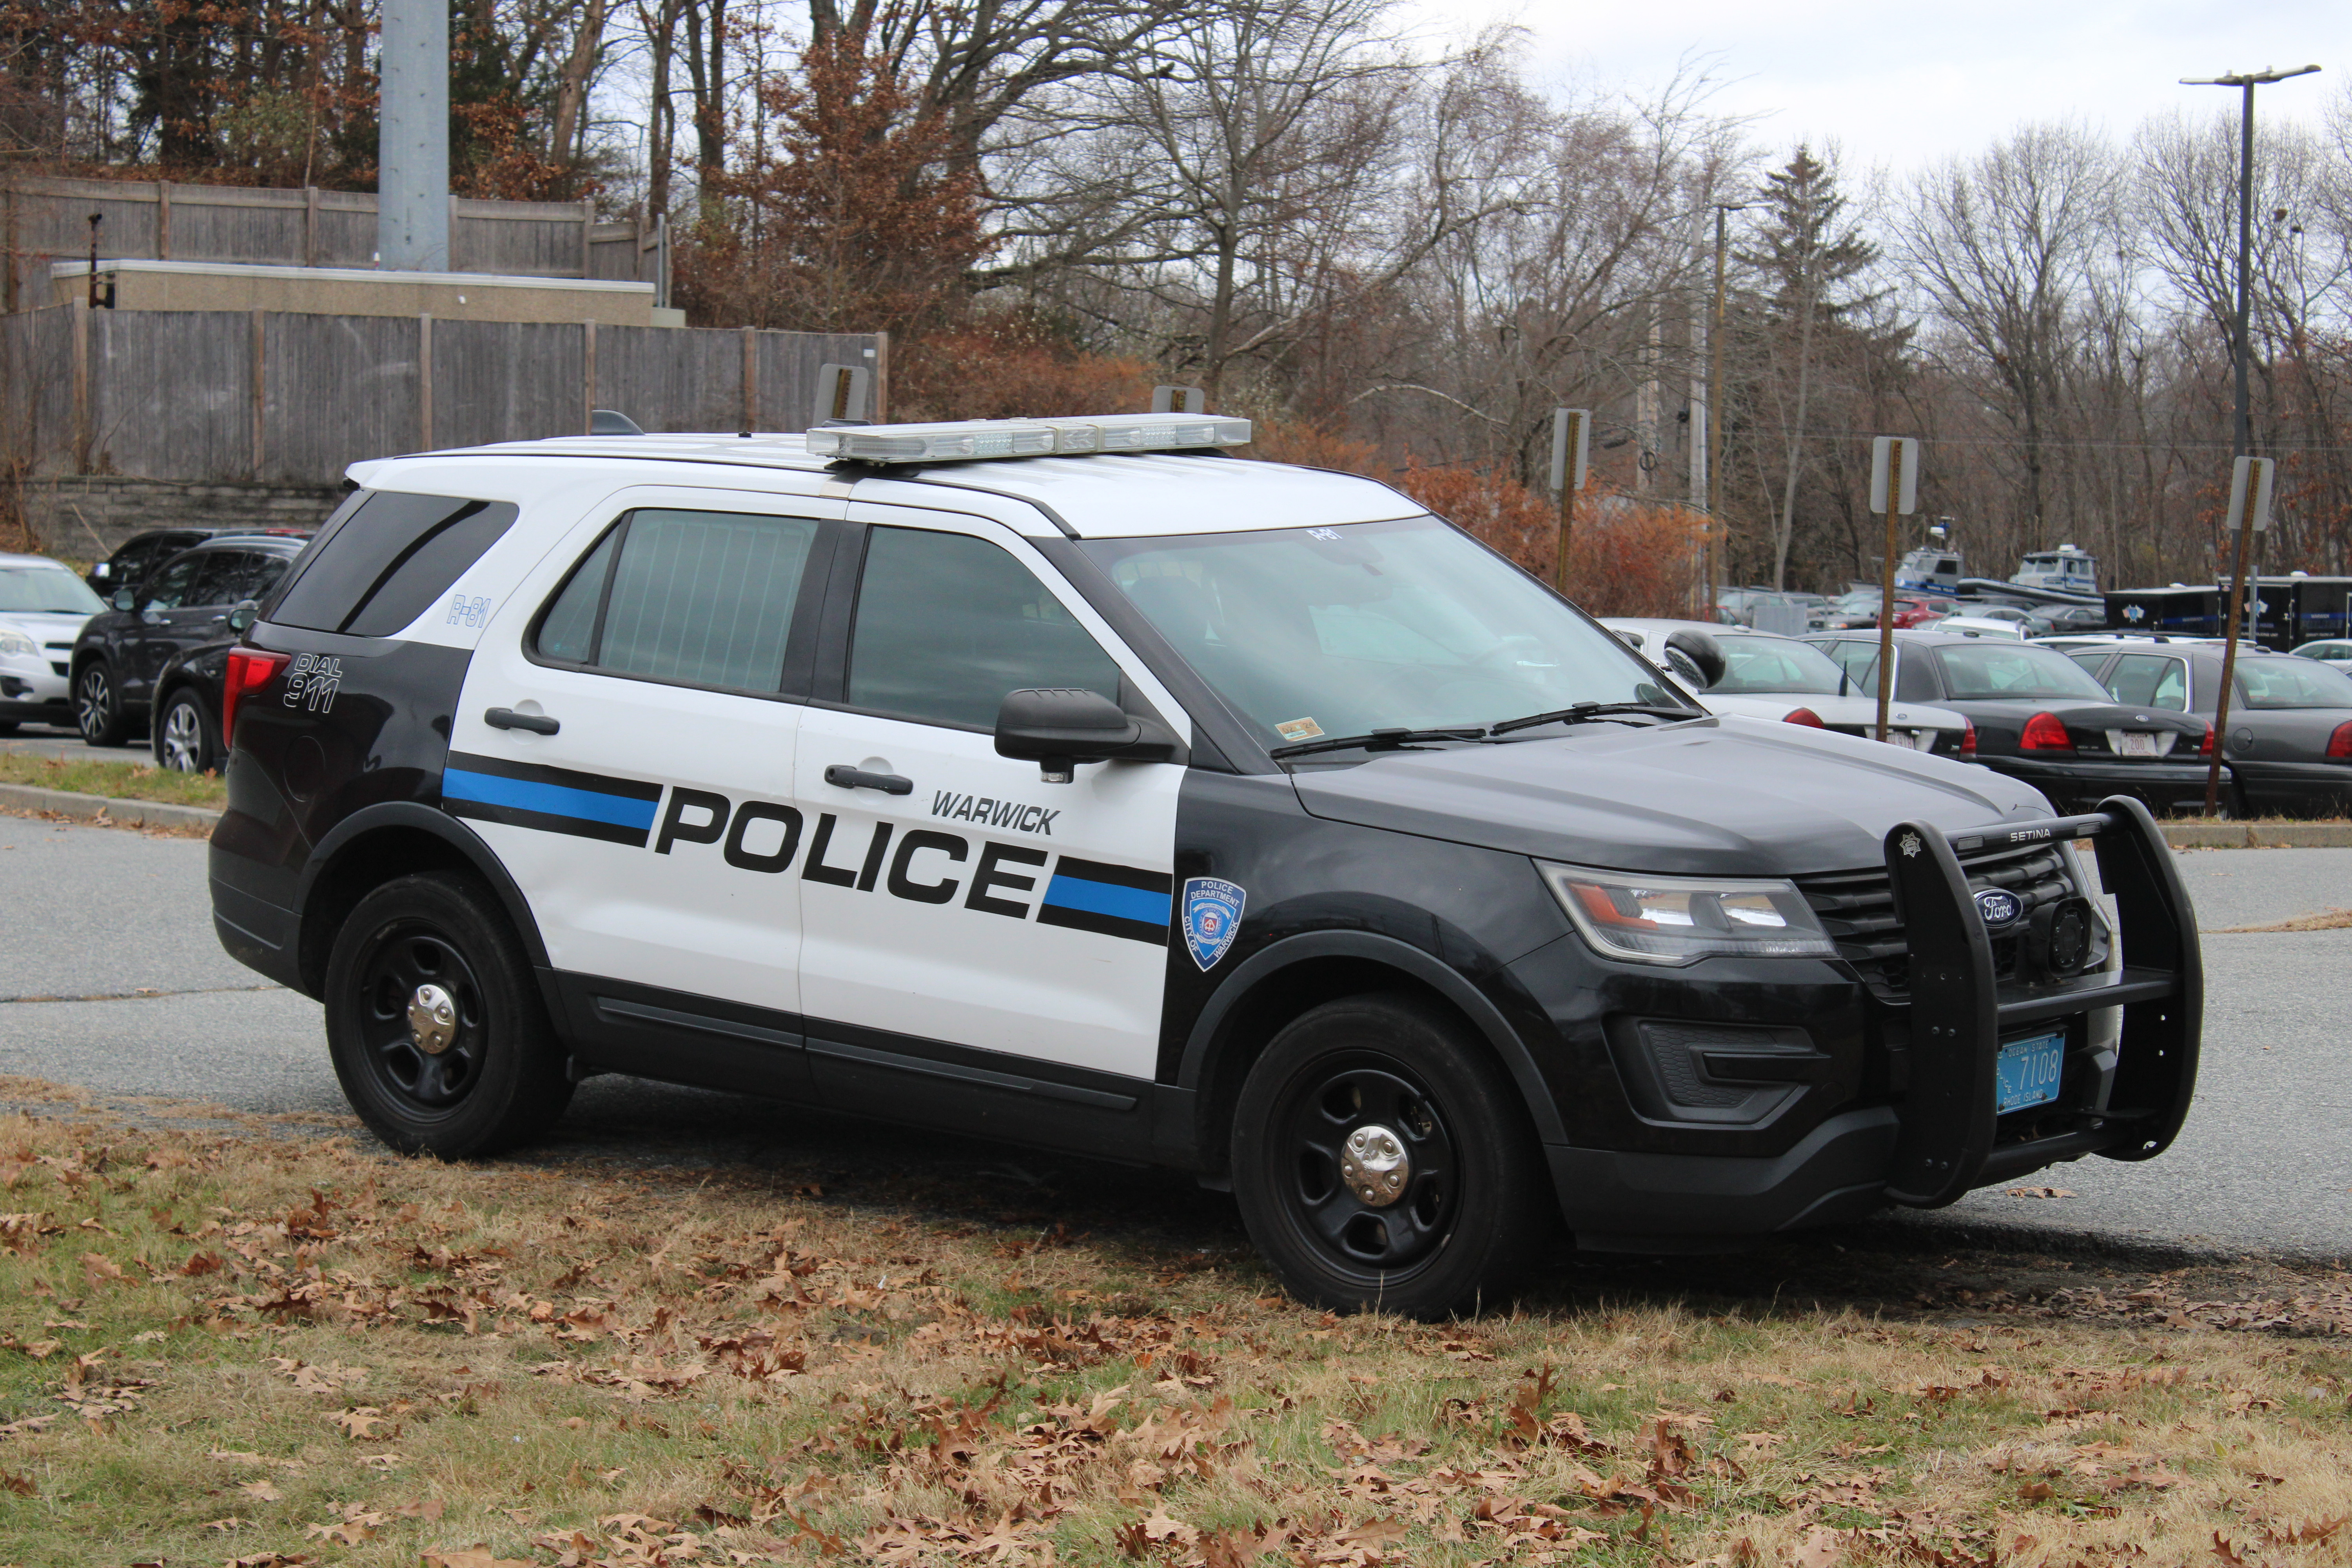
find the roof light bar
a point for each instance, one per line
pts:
(974, 439)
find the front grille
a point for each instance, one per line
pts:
(1858, 910)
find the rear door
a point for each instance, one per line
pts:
(625, 743)
(965, 912)
(168, 612)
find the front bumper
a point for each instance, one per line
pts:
(2124, 1092)
(2159, 785)
(31, 689)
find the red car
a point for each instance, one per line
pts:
(1911, 613)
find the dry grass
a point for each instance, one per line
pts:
(276, 1348)
(116, 781)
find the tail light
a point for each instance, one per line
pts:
(250, 669)
(2339, 744)
(1969, 738)
(1804, 716)
(2046, 732)
(2205, 748)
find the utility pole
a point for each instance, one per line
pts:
(1714, 559)
(2242, 435)
(411, 221)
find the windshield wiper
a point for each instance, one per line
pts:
(1377, 741)
(1585, 711)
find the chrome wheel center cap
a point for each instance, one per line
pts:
(1374, 1166)
(431, 1020)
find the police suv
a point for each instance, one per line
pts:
(1072, 782)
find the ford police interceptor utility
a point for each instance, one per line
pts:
(1067, 782)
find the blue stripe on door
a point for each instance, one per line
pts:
(554, 800)
(1107, 899)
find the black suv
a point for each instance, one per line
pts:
(162, 648)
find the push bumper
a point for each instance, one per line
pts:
(2124, 1097)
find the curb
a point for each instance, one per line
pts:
(2259, 835)
(129, 812)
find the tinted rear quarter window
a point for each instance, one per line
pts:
(378, 566)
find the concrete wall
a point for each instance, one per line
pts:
(356, 292)
(89, 518)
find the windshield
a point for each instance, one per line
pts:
(1764, 664)
(2293, 683)
(1370, 625)
(1994, 670)
(46, 590)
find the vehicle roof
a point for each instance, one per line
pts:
(1107, 496)
(12, 559)
(1712, 629)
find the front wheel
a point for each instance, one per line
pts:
(1382, 1161)
(98, 706)
(186, 739)
(434, 1023)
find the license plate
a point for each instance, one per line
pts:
(1903, 738)
(2138, 743)
(2028, 1071)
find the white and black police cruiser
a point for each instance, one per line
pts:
(1070, 782)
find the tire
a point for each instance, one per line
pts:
(1471, 1211)
(498, 1080)
(98, 705)
(186, 740)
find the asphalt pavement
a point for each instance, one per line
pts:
(51, 741)
(110, 979)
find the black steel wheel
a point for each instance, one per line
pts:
(1383, 1159)
(186, 739)
(435, 1022)
(98, 705)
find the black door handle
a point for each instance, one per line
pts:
(840, 775)
(508, 719)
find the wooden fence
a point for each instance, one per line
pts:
(48, 220)
(266, 397)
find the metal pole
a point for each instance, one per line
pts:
(1566, 520)
(412, 224)
(1715, 537)
(1887, 587)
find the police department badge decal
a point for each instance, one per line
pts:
(1212, 917)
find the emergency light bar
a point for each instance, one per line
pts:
(978, 438)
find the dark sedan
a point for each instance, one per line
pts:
(2042, 718)
(2290, 742)
(162, 648)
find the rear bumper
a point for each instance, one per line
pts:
(258, 934)
(2155, 785)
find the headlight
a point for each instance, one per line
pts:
(16, 642)
(1676, 920)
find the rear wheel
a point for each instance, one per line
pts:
(186, 739)
(1383, 1162)
(434, 1023)
(98, 705)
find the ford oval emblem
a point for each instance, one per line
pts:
(1999, 907)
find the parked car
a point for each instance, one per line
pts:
(42, 607)
(1856, 607)
(2329, 650)
(1781, 678)
(2069, 619)
(162, 647)
(1982, 626)
(2290, 742)
(142, 553)
(2039, 716)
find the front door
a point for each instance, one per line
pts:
(954, 904)
(174, 613)
(626, 745)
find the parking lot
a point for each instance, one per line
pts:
(113, 981)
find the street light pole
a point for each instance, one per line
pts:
(2243, 431)
(1715, 536)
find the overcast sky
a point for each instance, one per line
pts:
(1904, 83)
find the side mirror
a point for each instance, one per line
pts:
(242, 614)
(1058, 727)
(1696, 656)
(125, 599)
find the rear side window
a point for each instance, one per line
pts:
(699, 598)
(387, 559)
